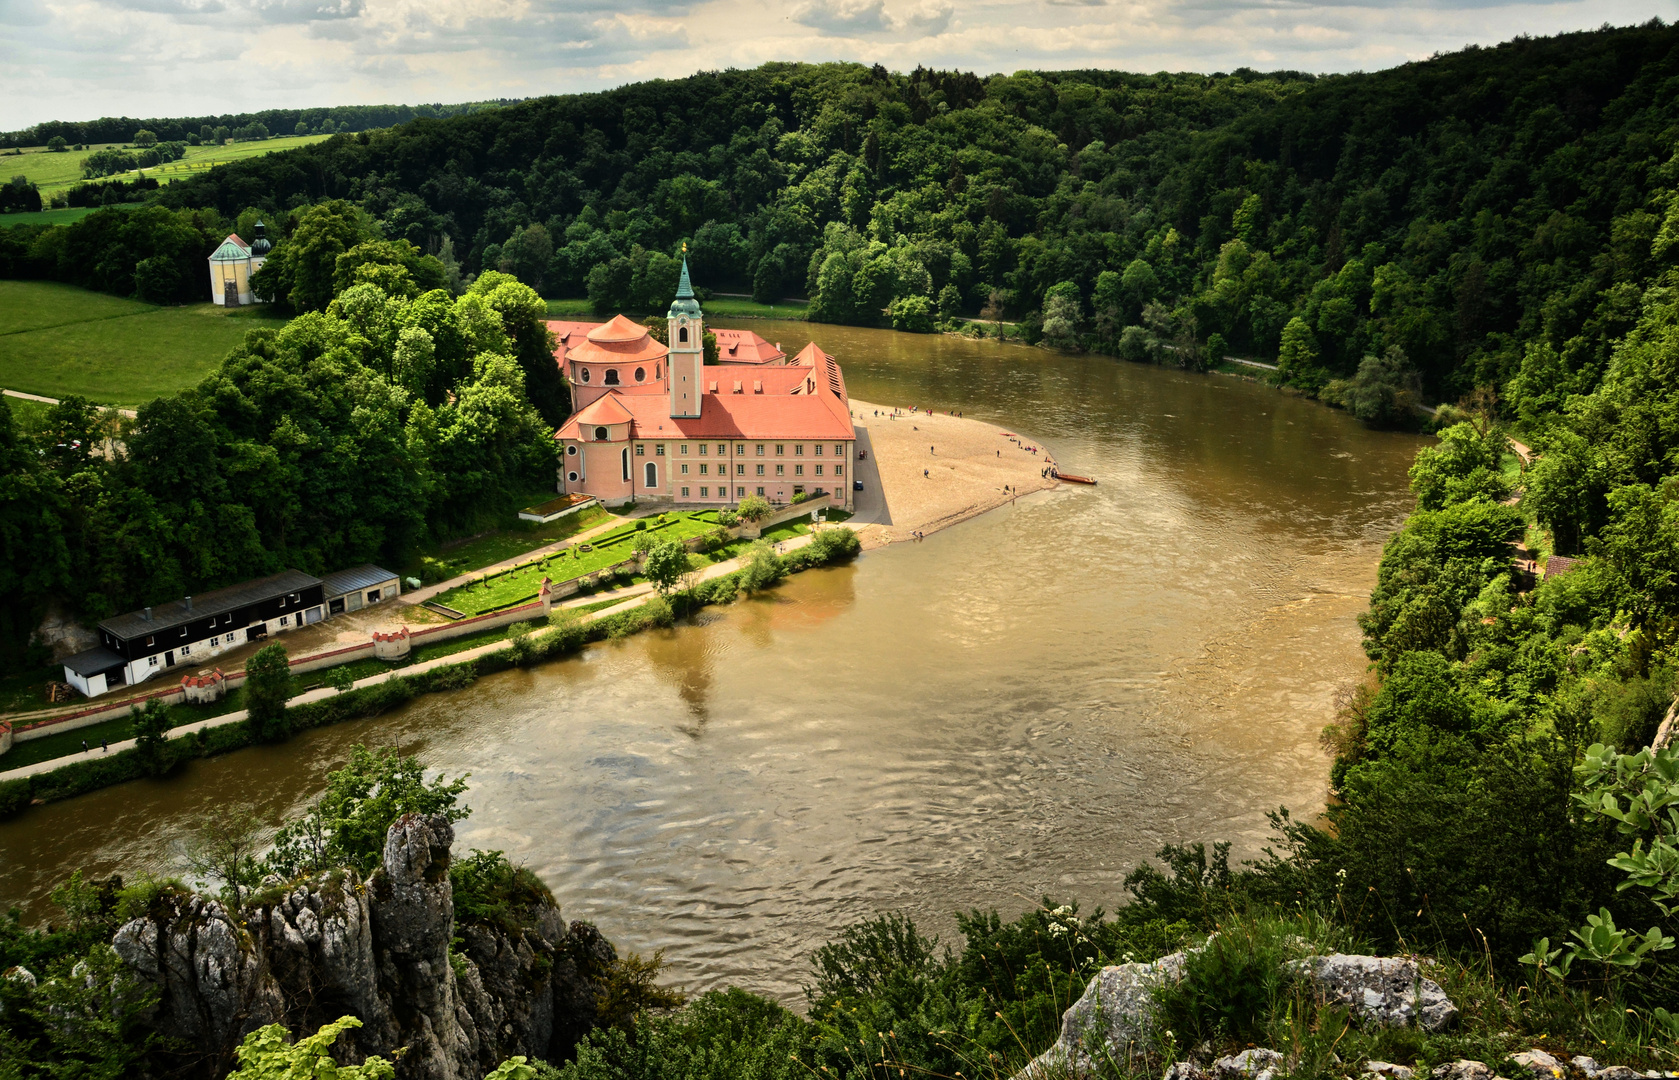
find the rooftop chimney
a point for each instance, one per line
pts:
(148, 614)
(189, 603)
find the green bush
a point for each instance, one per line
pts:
(14, 796)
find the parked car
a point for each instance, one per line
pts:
(856, 485)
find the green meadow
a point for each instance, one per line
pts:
(62, 216)
(58, 340)
(59, 172)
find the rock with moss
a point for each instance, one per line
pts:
(1115, 1012)
(455, 997)
(1385, 990)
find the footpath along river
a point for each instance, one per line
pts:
(1029, 703)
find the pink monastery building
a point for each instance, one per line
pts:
(655, 423)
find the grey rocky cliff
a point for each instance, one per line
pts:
(378, 950)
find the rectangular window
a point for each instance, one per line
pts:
(723, 448)
(798, 449)
(186, 650)
(760, 470)
(285, 620)
(684, 449)
(740, 448)
(780, 449)
(704, 468)
(760, 449)
(640, 449)
(740, 470)
(705, 492)
(659, 450)
(684, 468)
(740, 492)
(819, 470)
(151, 641)
(702, 449)
(798, 470)
(760, 491)
(818, 449)
(151, 661)
(781, 470)
(684, 493)
(215, 642)
(839, 449)
(839, 470)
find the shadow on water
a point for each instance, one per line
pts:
(1027, 704)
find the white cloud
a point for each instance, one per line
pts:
(73, 59)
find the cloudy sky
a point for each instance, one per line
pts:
(79, 59)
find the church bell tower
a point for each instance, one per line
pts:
(687, 349)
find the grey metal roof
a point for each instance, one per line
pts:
(175, 613)
(93, 661)
(365, 576)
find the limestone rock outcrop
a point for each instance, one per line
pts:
(1385, 990)
(1116, 1010)
(378, 949)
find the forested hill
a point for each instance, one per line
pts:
(1439, 217)
(310, 121)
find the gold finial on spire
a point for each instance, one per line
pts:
(684, 247)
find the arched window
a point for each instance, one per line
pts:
(640, 374)
(652, 476)
(600, 434)
(626, 463)
(611, 376)
(655, 371)
(583, 373)
(682, 335)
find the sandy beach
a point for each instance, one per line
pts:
(928, 471)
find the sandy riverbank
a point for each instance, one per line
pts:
(930, 471)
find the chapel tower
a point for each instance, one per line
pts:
(687, 349)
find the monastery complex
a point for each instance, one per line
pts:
(654, 422)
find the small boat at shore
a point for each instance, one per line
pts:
(1072, 479)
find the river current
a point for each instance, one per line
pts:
(1025, 705)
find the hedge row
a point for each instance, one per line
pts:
(563, 636)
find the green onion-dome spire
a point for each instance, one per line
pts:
(684, 304)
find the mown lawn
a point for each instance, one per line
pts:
(608, 548)
(62, 216)
(58, 340)
(500, 546)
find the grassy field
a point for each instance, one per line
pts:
(606, 549)
(717, 306)
(57, 340)
(59, 172)
(46, 217)
(482, 551)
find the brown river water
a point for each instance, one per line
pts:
(1027, 704)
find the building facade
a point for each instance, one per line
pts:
(231, 267)
(191, 631)
(654, 422)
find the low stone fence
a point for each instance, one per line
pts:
(790, 512)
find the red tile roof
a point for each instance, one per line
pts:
(745, 347)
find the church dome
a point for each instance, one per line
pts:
(260, 246)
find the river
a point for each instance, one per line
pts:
(1027, 704)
